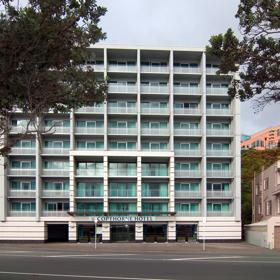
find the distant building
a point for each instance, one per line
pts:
(265, 139)
(245, 137)
(265, 228)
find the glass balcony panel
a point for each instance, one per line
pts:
(122, 172)
(154, 68)
(92, 109)
(219, 173)
(122, 131)
(187, 194)
(55, 172)
(57, 129)
(89, 172)
(21, 213)
(219, 213)
(56, 193)
(55, 213)
(218, 132)
(188, 213)
(90, 130)
(187, 70)
(187, 90)
(119, 88)
(151, 111)
(122, 110)
(216, 91)
(122, 192)
(217, 112)
(154, 89)
(187, 173)
(219, 194)
(122, 68)
(182, 152)
(22, 172)
(218, 152)
(23, 151)
(155, 131)
(56, 151)
(22, 193)
(187, 111)
(187, 132)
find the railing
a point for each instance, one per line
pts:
(188, 213)
(122, 149)
(217, 91)
(219, 194)
(122, 131)
(96, 67)
(56, 151)
(187, 131)
(93, 109)
(90, 172)
(122, 89)
(85, 212)
(217, 112)
(218, 132)
(187, 111)
(121, 173)
(22, 172)
(21, 213)
(22, 193)
(89, 149)
(122, 68)
(155, 172)
(153, 193)
(55, 193)
(122, 193)
(55, 213)
(219, 173)
(23, 151)
(57, 129)
(161, 111)
(89, 193)
(219, 213)
(187, 194)
(218, 153)
(155, 131)
(155, 149)
(212, 70)
(187, 173)
(154, 89)
(19, 129)
(190, 70)
(155, 69)
(122, 110)
(182, 152)
(187, 90)
(89, 130)
(56, 172)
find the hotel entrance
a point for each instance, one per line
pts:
(155, 232)
(186, 233)
(122, 233)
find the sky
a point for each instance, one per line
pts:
(186, 23)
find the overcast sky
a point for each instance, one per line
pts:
(187, 23)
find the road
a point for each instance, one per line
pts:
(138, 262)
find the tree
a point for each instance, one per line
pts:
(42, 50)
(256, 55)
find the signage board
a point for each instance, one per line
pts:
(124, 219)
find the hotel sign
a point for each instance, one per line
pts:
(124, 219)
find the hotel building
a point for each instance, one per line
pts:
(158, 161)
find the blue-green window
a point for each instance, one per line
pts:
(122, 124)
(23, 206)
(154, 189)
(122, 189)
(90, 123)
(218, 186)
(23, 164)
(52, 164)
(218, 146)
(89, 189)
(65, 144)
(122, 145)
(187, 186)
(186, 146)
(57, 123)
(187, 166)
(25, 144)
(22, 185)
(90, 145)
(154, 169)
(56, 206)
(187, 207)
(122, 207)
(154, 145)
(88, 208)
(154, 207)
(122, 169)
(56, 185)
(218, 207)
(224, 166)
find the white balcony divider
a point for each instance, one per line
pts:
(57, 129)
(23, 151)
(219, 173)
(22, 193)
(122, 110)
(218, 153)
(218, 112)
(154, 69)
(89, 172)
(122, 68)
(55, 213)
(154, 89)
(55, 193)
(56, 151)
(218, 132)
(188, 213)
(217, 91)
(161, 111)
(90, 130)
(56, 172)
(187, 132)
(93, 109)
(115, 88)
(187, 173)
(219, 194)
(22, 172)
(187, 194)
(122, 131)
(187, 111)
(21, 213)
(187, 70)
(155, 131)
(219, 213)
(187, 90)
(182, 152)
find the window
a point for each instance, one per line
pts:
(260, 209)
(268, 208)
(23, 164)
(56, 206)
(266, 183)
(278, 205)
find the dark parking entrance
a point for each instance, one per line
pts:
(122, 233)
(155, 233)
(186, 232)
(57, 233)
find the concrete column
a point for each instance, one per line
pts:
(106, 184)
(3, 189)
(171, 231)
(105, 104)
(171, 102)
(72, 231)
(138, 100)
(105, 231)
(172, 184)
(139, 184)
(72, 130)
(139, 231)
(72, 184)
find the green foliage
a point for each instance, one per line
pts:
(252, 162)
(256, 55)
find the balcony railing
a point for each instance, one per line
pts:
(218, 112)
(151, 111)
(55, 213)
(154, 69)
(122, 193)
(187, 70)
(156, 149)
(18, 129)
(218, 132)
(217, 91)
(219, 173)
(219, 153)
(187, 132)
(122, 172)
(21, 213)
(122, 110)
(188, 213)
(182, 152)
(187, 90)
(55, 151)
(153, 193)
(22, 172)
(122, 68)
(187, 111)
(212, 70)
(90, 193)
(22, 193)
(23, 151)
(155, 131)
(55, 193)
(96, 67)
(219, 213)
(154, 89)
(57, 129)
(122, 131)
(56, 172)
(187, 194)
(90, 130)
(187, 173)
(93, 109)
(122, 89)
(219, 194)
(155, 172)
(89, 172)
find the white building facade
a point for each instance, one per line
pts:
(158, 161)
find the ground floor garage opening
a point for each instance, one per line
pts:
(186, 233)
(155, 233)
(57, 233)
(122, 233)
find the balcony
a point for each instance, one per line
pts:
(154, 111)
(91, 110)
(187, 90)
(187, 111)
(122, 110)
(90, 130)
(155, 149)
(95, 67)
(57, 129)
(219, 173)
(187, 132)
(154, 89)
(218, 132)
(23, 151)
(122, 172)
(122, 131)
(186, 70)
(219, 194)
(55, 213)
(188, 213)
(22, 193)
(219, 213)
(115, 88)
(55, 151)
(55, 172)
(212, 70)
(276, 190)
(122, 193)
(184, 194)
(22, 172)
(55, 194)
(154, 194)
(154, 69)
(155, 131)
(219, 153)
(21, 213)
(190, 153)
(122, 68)
(187, 173)
(218, 112)
(19, 129)
(154, 172)
(216, 91)
(89, 172)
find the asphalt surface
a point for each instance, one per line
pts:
(138, 262)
